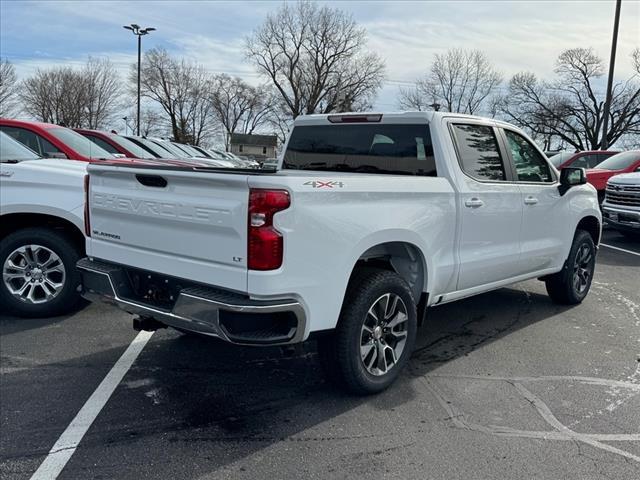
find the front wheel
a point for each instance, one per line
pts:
(39, 276)
(571, 285)
(375, 334)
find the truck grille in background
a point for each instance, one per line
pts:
(628, 195)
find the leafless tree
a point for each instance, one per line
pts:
(103, 92)
(459, 81)
(8, 80)
(315, 57)
(180, 88)
(280, 120)
(88, 97)
(635, 58)
(570, 108)
(56, 95)
(238, 106)
(153, 122)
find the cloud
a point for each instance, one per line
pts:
(515, 35)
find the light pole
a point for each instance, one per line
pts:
(604, 144)
(126, 125)
(139, 32)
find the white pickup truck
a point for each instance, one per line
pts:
(41, 231)
(621, 206)
(369, 220)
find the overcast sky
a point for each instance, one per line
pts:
(516, 35)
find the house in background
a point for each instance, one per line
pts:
(260, 147)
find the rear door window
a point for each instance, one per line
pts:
(366, 148)
(479, 152)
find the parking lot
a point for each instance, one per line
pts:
(503, 385)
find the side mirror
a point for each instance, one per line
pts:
(570, 177)
(55, 155)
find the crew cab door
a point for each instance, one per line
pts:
(544, 227)
(490, 206)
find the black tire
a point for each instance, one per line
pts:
(68, 298)
(563, 287)
(340, 353)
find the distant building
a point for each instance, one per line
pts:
(258, 146)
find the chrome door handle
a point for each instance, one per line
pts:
(473, 202)
(530, 200)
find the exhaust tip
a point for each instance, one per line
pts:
(147, 324)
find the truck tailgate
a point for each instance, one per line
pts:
(174, 221)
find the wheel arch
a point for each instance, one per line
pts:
(12, 222)
(402, 257)
(592, 226)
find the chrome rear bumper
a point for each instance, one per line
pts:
(227, 315)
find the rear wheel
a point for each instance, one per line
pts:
(571, 285)
(39, 276)
(375, 334)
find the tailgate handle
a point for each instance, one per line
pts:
(152, 180)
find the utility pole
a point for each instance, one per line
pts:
(604, 144)
(139, 32)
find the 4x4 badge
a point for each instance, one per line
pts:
(324, 184)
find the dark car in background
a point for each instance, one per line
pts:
(115, 144)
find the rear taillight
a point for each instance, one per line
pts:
(265, 245)
(87, 222)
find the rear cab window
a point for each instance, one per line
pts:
(383, 148)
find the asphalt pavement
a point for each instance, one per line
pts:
(502, 385)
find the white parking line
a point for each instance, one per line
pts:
(621, 249)
(66, 445)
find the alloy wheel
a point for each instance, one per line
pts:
(582, 268)
(384, 334)
(34, 274)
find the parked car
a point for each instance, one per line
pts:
(586, 159)
(624, 162)
(175, 150)
(270, 164)
(160, 149)
(41, 231)
(115, 144)
(240, 162)
(151, 147)
(621, 206)
(369, 219)
(53, 141)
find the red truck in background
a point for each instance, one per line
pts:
(53, 141)
(624, 162)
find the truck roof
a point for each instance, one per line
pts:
(391, 117)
